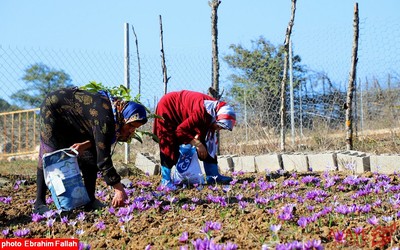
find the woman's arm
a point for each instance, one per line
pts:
(82, 146)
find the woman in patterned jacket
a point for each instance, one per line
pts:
(90, 123)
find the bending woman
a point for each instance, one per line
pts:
(191, 117)
(90, 123)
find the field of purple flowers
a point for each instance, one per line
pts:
(329, 210)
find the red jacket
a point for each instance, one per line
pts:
(184, 117)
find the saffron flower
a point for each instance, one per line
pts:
(373, 220)
(6, 200)
(358, 230)
(79, 232)
(83, 246)
(100, 225)
(210, 225)
(81, 216)
(166, 207)
(36, 217)
(50, 222)
(22, 232)
(111, 210)
(302, 222)
(243, 204)
(312, 244)
(275, 228)
(64, 220)
(230, 246)
(340, 237)
(184, 237)
(49, 200)
(49, 214)
(72, 223)
(5, 232)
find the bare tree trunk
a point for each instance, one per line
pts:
(138, 59)
(214, 43)
(215, 62)
(350, 88)
(284, 78)
(163, 66)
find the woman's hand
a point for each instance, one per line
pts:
(81, 146)
(201, 149)
(120, 195)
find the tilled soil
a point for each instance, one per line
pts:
(241, 215)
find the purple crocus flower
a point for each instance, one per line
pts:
(243, 204)
(166, 207)
(202, 243)
(275, 228)
(22, 232)
(340, 236)
(83, 246)
(72, 223)
(126, 218)
(49, 200)
(6, 200)
(79, 232)
(81, 216)
(302, 222)
(184, 237)
(283, 246)
(312, 244)
(296, 245)
(100, 225)
(387, 219)
(373, 220)
(49, 214)
(50, 222)
(157, 204)
(210, 225)
(5, 232)
(357, 230)
(230, 246)
(342, 209)
(36, 217)
(111, 210)
(64, 220)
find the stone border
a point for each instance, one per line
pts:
(353, 161)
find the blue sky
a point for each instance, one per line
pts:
(97, 25)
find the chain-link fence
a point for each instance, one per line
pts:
(315, 115)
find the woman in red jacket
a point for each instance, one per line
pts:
(191, 118)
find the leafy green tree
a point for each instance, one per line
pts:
(257, 78)
(40, 80)
(5, 106)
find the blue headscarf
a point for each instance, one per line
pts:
(134, 112)
(125, 112)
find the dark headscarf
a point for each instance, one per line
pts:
(134, 112)
(125, 112)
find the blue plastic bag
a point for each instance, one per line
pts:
(63, 178)
(188, 168)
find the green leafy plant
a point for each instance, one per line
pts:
(123, 93)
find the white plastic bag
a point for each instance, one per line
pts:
(63, 177)
(187, 170)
